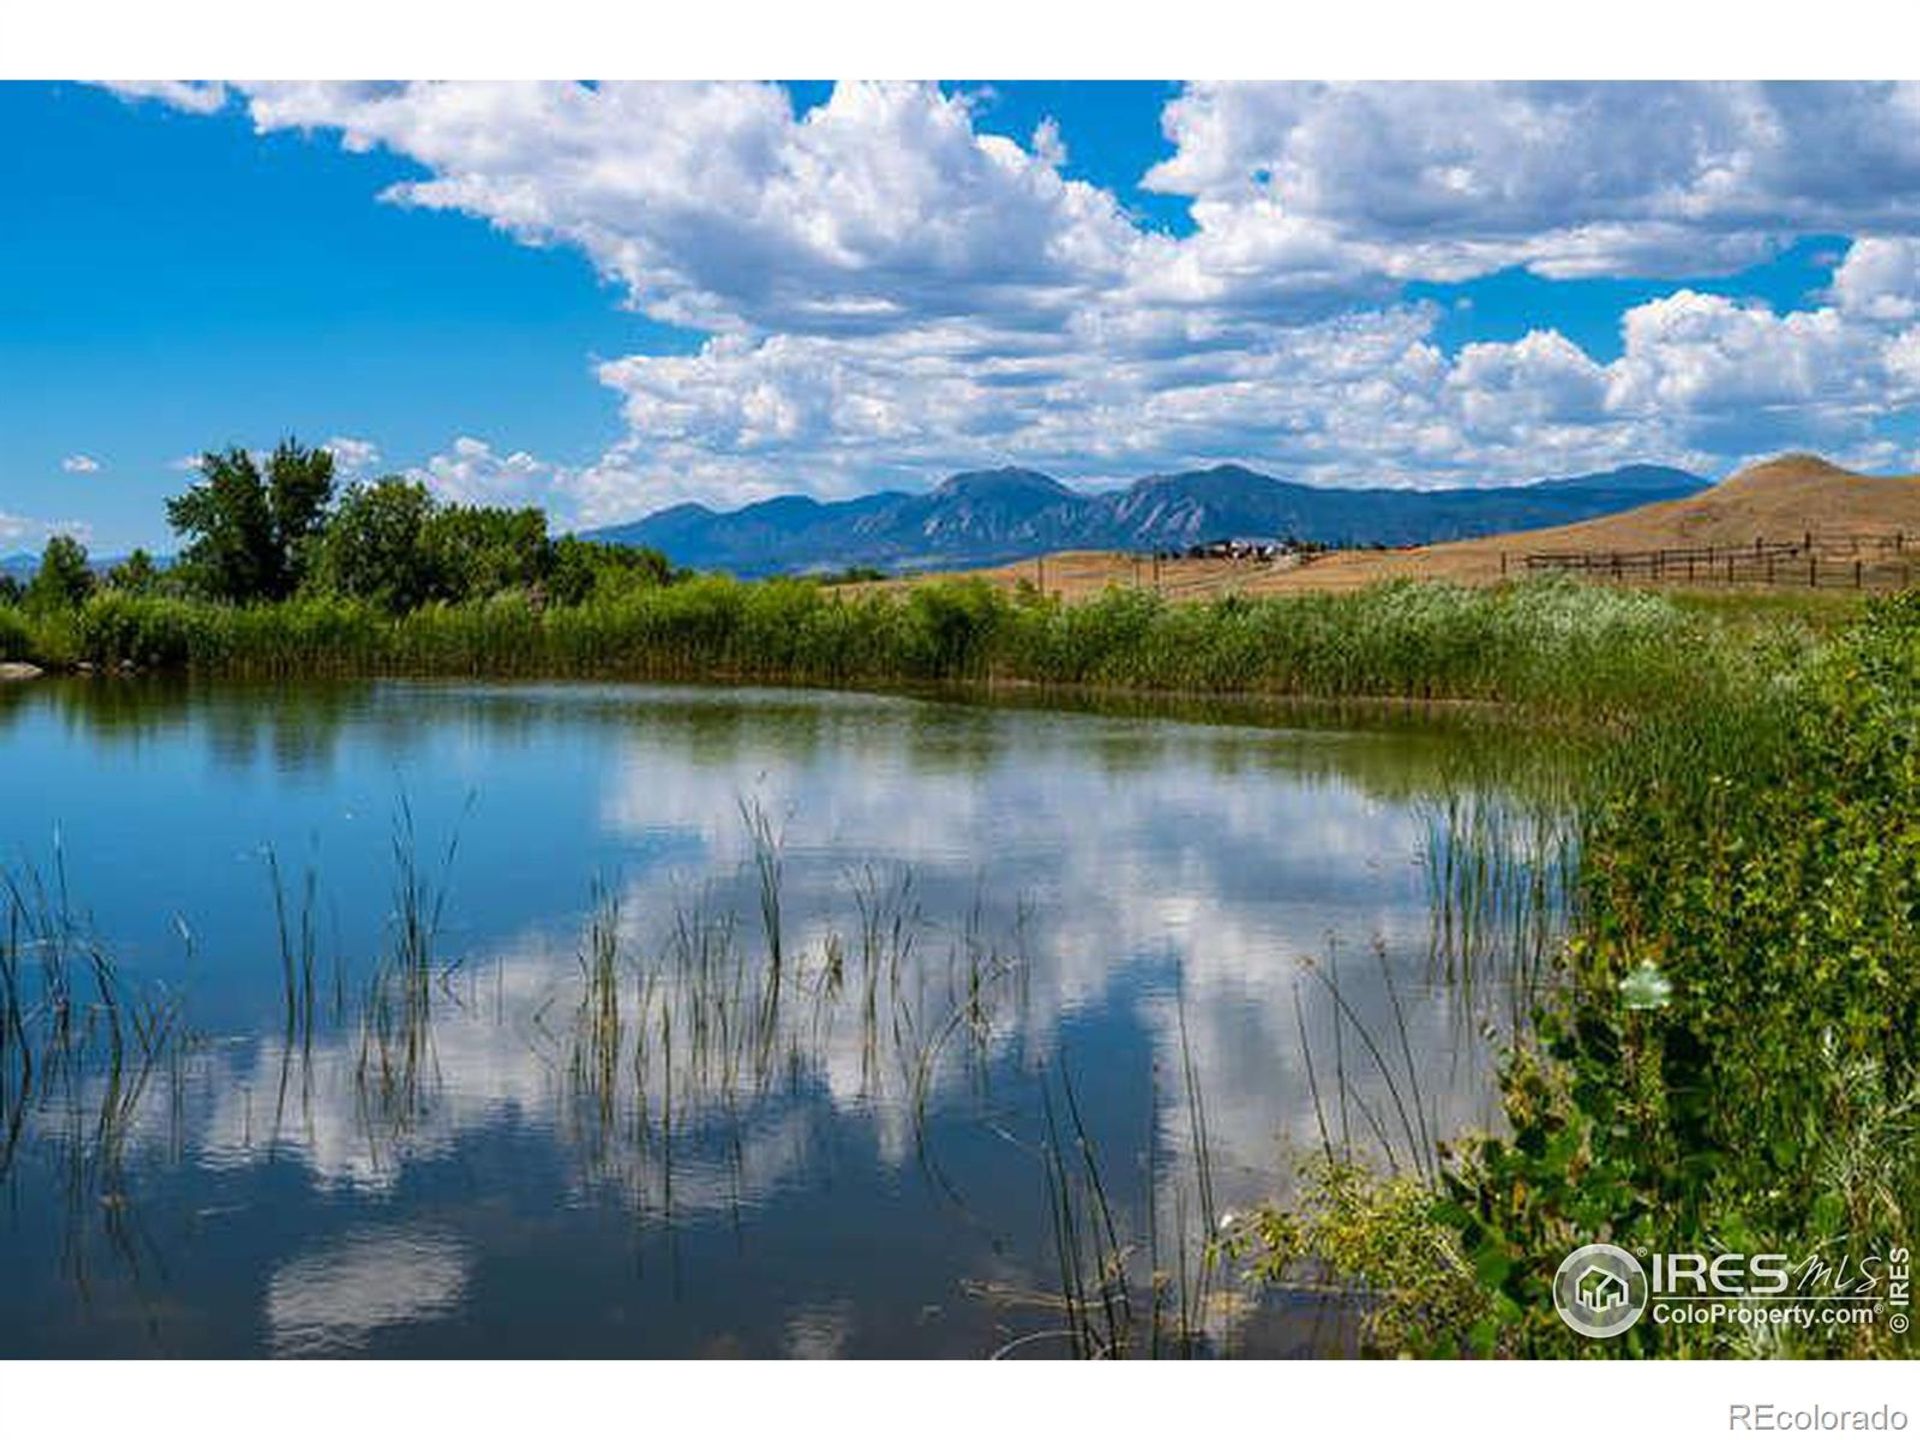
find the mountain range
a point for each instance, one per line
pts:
(987, 517)
(984, 517)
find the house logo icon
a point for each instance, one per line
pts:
(1600, 1290)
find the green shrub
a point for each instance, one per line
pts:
(16, 638)
(118, 629)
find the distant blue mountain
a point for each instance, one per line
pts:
(985, 517)
(23, 565)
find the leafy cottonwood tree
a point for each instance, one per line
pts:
(374, 546)
(250, 535)
(479, 551)
(392, 543)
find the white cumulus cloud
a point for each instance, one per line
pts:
(473, 473)
(353, 459)
(1447, 180)
(1880, 278)
(886, 290)
(198, 97)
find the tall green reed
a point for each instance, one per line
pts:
(1552, 645)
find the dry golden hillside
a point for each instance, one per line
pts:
(1777, 502)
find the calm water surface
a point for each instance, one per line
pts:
(978, 912)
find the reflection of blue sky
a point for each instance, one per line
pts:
(1148, 869)
(171, 817)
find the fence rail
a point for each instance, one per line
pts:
(1833, 559)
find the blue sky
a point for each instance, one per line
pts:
(608, 299)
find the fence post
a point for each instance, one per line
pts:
(1856, 574)
(1811, 562)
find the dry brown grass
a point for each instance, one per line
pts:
(1082, 574)
(1780, 499)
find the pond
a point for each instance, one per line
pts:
(473, 1020)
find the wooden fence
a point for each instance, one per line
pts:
(1832, 559)
(1174, 577)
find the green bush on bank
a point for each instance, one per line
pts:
(16, 639)
(1733, 1061)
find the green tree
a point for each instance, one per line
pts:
(478, 551)
(12, 592)
(135, 575)
(300, 487)
(587, 569)
(374, 546)
(64, 579)
(251, 535)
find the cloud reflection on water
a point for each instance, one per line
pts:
(1138, 894)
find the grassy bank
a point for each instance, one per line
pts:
(1546, 644)
(1732, 1064)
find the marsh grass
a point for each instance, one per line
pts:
(65, 1009)
(1095, 1295)
(81, 1050)
(598, 1026)
(766, 844)
(1551, 645)
(1402, 1128)
(298, 950)
(669, 1056)
(1502, 877)
(396, 1069)
(1135, 1278)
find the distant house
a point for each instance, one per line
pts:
(1239, 549)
